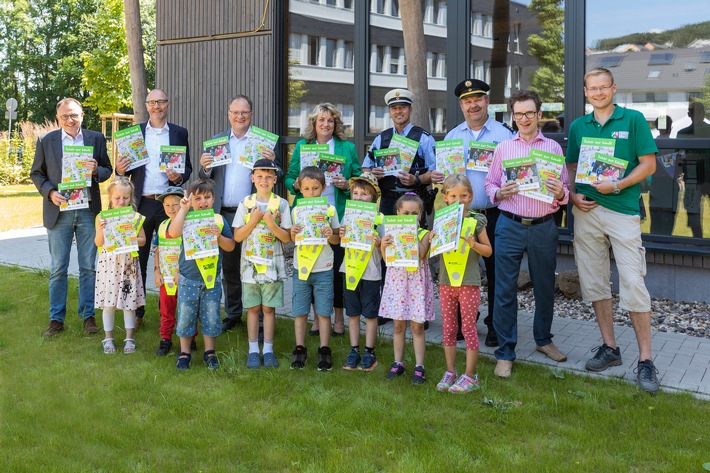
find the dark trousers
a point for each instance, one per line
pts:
(231, 278)
(154, 215)
(490, 262)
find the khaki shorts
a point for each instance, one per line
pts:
(594, 232)
(267, 294)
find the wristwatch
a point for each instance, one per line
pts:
(616, 189)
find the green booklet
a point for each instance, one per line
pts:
(198, 235)
(76, 193)
(119, 231)
(173, 157)
(310, 154)
(131, 145)
(389, 160)
(257, 141)
(331, 165)
(446, 229)
(479, 155)
(311, 214)
(168, 257)
(587, 155)
(549, 165)
(523, 171)
(404, 250)
(407, 150)
(219, 149)
(359, 220)
(449, 157)
(74, 164)
(260, 246)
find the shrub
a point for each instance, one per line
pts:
(16, 154)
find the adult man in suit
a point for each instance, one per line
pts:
(148, 181)
(62, 227)
(232, 184)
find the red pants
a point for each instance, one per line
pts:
(168, 306)
(468, 297)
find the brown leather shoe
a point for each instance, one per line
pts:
(90, 325)
(551, 351)
(54, 328)
(503, 368)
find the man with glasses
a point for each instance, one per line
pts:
(607, 213)
(479, 126)
(526, 225)
(62, 227)
(232, 184)
(148, 181)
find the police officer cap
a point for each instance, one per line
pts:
(399, 97)
(471, 87)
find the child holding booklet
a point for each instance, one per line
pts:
(263, 223)
(195, 298)
(118, 276)
(464, 292)
(409, 295)
(319, 284)
(365, 298)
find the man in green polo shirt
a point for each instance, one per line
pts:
(606, 211)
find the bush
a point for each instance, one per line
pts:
(16, 154)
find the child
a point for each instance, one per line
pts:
(365, 298)
(118, 277)
(259, 216)
(464, 292)
(319, 284)
(409, 295)
(195, 298)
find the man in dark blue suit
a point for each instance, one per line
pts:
(62, 227)
(148, 181)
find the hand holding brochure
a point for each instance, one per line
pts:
(389, 160)
(359, 222)
(449, 157)
(404, 250)
(331, 165)
(173, 157)
(549, 165)
(587, 156)
(479, 154)
(119, 232)
(168, 257)
(74, 164)
(312, 215)
(607, 168)
(131, 145)
(76, 194)
(523, 171)
(199, 236)
(310, 154)
(260, 246)
(446, 229)
(219, 149)
(407, 150)
(257, 141)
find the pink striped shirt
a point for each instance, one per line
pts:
(520, 204)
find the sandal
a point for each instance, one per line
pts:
(109, 347)
(129, 347)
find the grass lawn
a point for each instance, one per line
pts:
(68, 407)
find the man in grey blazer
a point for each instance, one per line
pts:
(62, 227)
(232, 184)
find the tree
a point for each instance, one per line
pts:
(415, 52)
(705, 93)
(134, 40)
(548, 48)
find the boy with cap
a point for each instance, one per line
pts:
(263, 224)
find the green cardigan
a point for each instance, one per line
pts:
(351, 169)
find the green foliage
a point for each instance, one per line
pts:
(705, 94)
(297, 88)
(548, 48)
(677, 37)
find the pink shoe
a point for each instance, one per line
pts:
(446, 381)
(464, 384)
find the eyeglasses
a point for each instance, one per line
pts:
(596, 90)
(529, 115)
(73, 116)
(153, 103)
(239, 113)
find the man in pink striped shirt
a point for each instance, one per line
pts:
(525, 225)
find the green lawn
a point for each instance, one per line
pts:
(68, 407)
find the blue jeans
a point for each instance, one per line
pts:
(70, 224)
(194, 302)
(540, 242)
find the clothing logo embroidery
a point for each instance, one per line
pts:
(622, 135)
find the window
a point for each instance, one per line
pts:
(477, 24)
(705, 56)
(348, 62)
(330, 53)
(653, 74)
(377, 57)
(610, 61)
(440, 13)
(515, 38)
(378, 6)
(395, 7)
(313, 46)
(487, 26)
(394, 60)
(661, 59)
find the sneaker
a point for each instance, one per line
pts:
(396, 370)
(300, 355)
(646, 375)
(465, 384)
(54, 328)
(418, 377)
(447, 380)
(270, 361)
(352, 360)
(369, 361)
(253, 360)
(325, 359)
(211, 360)
(229, 323)
(183, 361)
(90, 325)
(164, 347)
(605, 358)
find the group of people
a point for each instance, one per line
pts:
(501, 225)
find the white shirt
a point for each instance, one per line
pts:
(155, 182)
(237, 178)
(69, 141)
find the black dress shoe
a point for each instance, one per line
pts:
(229, 323)
(426, 325)
(491, 338)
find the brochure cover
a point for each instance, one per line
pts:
(607, 168)
(310, 154)
(76, 193)
(74, 166)
(359, 221)
(168, 257)
(479, 153)
(446, 229)
(587, 152)
(331, 165)
(407, 150)
(312, 215)
(197, 235)
(549, 165)
(130, 144)
(388, 159)
(523, 171)
(119, 232)
(260, 246)
(219, 149)
(404, 251)
(173, 157)
(257, 141)
(449, 157)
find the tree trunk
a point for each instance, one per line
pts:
(134, 41)
(415, 54)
